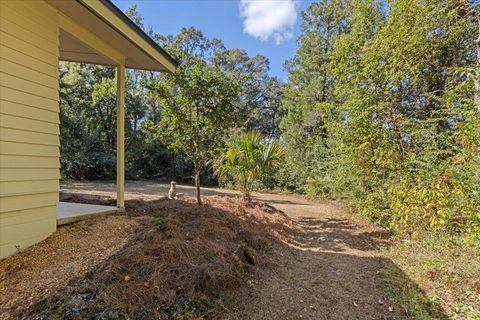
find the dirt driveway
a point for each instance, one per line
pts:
(331, 269)
(294, 205)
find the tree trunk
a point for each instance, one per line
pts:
(197, 184)
(247, 198)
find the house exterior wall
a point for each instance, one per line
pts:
(29, 123)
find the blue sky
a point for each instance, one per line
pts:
(266, 27)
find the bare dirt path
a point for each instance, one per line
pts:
(331, 268)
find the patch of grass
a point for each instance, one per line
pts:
(400, 291)
(446, 268)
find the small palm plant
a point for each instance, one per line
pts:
(247, 157)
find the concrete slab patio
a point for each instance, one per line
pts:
(69, 212)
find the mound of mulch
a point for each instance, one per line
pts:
(184, 261)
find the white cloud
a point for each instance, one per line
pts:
(265, 19)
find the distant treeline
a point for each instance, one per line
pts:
(88, 115)
(379, 110)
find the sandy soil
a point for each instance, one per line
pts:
(331, 268)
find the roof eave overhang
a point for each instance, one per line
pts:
(154, 50)
(98, 29)
(114, 17)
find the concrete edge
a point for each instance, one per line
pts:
(70, 220)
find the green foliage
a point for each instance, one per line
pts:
(199, 110)
(309, 88)
(87, 149)
(384, 109)
(248, 156)
(88, 115)
(259, 106)
(445, 265)
(88, 127)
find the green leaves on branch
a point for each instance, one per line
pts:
(381, 111)
(198, 109)
(248, 156)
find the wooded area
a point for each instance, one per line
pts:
(378, 111)
(350, 190)
(384, 95)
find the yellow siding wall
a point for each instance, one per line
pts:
(29, 142)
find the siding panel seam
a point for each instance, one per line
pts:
(29, 118)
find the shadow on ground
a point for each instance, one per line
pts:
(213, 262)
(336, 234)
(330, 270)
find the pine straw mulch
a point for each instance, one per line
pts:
(48, 266)
(181, 261)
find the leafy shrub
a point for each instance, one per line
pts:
(248, 156)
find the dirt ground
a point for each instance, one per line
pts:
(332, 268)
(70, 252)
(329, 268)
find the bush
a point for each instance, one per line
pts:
(248, 157)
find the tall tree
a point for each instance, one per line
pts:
(392, 112)
(308, 92)
(260, 94)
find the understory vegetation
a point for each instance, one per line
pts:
(445, 269)
(247, 158)
(380, 111)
